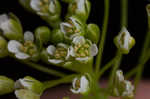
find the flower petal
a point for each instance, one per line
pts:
(35, 5)
(55, 61)
(84, 84)
(3, 18)
(85, 59)
(52, 6)
(28, 36)
(93, 50)
(63, 25)
(51, 49)
(71, 52)
(78, 40)
(22, 56)
(75, 91)
(13, 46)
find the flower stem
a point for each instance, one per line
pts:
(124, 13)
(102, 41)
(52, 83)
(106, 67)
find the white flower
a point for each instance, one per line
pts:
(82, 49)
(119, 75)
(73, 27)
(80, 85)
(129, 89)
(57, 54)
(124, 41)
(23, 51)
(44, 7)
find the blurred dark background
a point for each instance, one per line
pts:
(137, 26)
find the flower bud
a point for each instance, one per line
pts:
(3, 47)
(31, 84)
(80, 8)
(42, 35)
(93, 33)
(57, 36)
(26, 94)
(6, 85)
(11, 28)
(124, 41)
(80, 85)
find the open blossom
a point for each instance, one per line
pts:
(57, 54)
(124, 41)
(72, 27)
(82, 49)
(10, 27)
(26, 50)
(45, 7)
(80, 85)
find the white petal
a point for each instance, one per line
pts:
(74, 82)
(6, 26)
(81, 5)
(13, 46)
(55, 61)
(35, 5)
(119, 75)
(93, 50)
(85, 59)
(22, 55)
(63, 25)
(71, 52)
(84, 84)
(51, 49)
(62, 45)
(28, 36)
(52, 6)
(3, 18)
(78, 40)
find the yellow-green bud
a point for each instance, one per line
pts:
(3, 47)
(31, 84)
(93, 33)
(6, 85)
(57, 36)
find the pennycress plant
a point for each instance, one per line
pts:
(72, 44)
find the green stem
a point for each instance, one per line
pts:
(124, 13)
(40, 67)
(114, 69)
(134, 70)
(52, 83)
(44, 69)
(106, 67)
(102, 41)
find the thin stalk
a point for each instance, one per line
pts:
(124, 13)
(40, 67)
(102, 41)
(53, 83)
(106, 67)
(114, 69)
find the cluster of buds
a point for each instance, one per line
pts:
(28, 88)
(122, 88)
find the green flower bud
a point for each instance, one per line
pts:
(42, 35)
(26, 94)
(3, 47)
(11, 28)
(44, 56)
(31, 84)
(80, 8)
(57, 36)
(93, 33)
(124, 41)
(6, 85)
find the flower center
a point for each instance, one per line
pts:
(28, 47)
(82, 50)
(60, 53)
(77, 84)
(44, 5)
